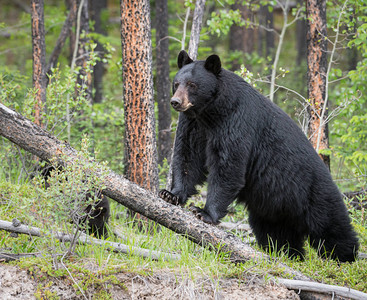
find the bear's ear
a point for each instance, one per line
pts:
(183, 59)
(213, 64)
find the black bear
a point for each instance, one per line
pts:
(248, 149)
(96, 216)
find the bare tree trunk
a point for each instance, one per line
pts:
(39, 142)
(301, 33)
(163, 83)
(65, 31)
(266, 42)
(269, 34)
(140, 142)
(241, 38)
(316, 76)
(196, 28)
(97, 6)
(85, 77)
(39, 58)
(71, 5)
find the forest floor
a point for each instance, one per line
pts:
(16, 283)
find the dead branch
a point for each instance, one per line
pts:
(24, 229)
(300, 285)
(6, 257)
(121, 248)
(65, 30)
(83, 239)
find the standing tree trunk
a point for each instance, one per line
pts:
(265, 33)
(316, 75)
(97, 6)
(72, 6)
(85, 76)
(39, 58)
(163, 83)
(140, 142)
(241, 38)
(301, 33)
(269, 34)
(196, 28)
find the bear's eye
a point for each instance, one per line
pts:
(191, 85)
(175, 85)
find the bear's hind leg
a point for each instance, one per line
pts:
(275, 237)
(336, 244)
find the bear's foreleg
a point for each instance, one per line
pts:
(188, 165)
(223, 188)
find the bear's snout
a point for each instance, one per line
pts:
(176, 102)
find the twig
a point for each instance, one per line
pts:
(85, 239)
(6, 257)
(121, 248)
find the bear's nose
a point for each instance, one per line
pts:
(175, 102)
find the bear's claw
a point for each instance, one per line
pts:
(202, 215)
(169, 197)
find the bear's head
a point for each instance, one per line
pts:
(196, 83)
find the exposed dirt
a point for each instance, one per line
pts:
(18, 284)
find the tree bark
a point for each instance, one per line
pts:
(34, 139)
(196, 28)
(39, 58)
(163, 85)
(316, 75)
(140, 141)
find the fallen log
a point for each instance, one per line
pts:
(34, 139)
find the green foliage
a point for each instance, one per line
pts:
(350, 128)
(221, 22)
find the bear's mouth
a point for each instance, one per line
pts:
(183, 108)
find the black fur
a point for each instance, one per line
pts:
(248, 149)
(97, 215)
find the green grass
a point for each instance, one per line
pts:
(196, 261)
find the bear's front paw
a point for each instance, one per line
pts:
(202, 215)
(169, 197)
